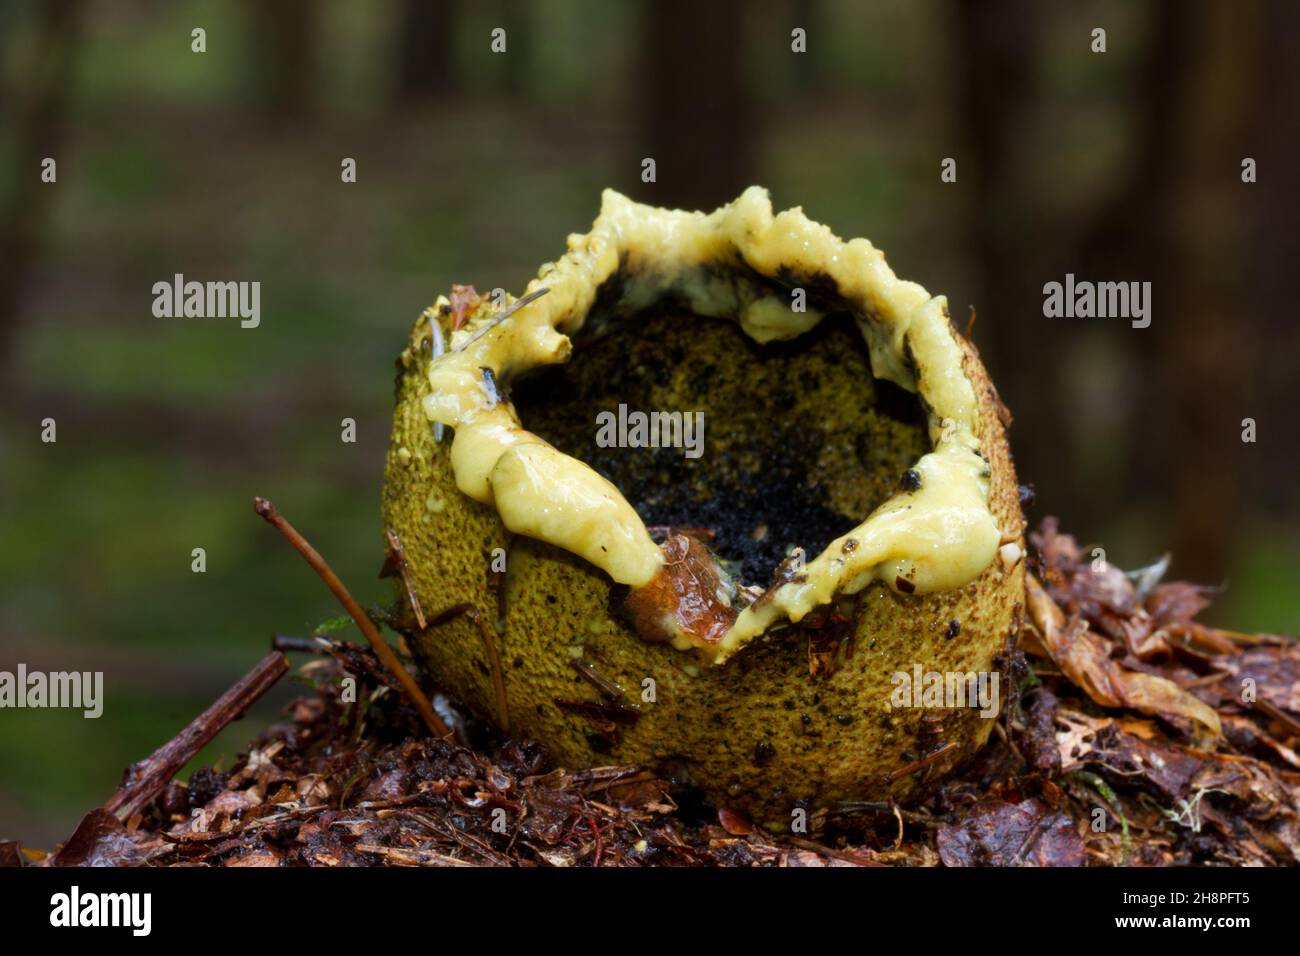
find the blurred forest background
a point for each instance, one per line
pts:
(473, 167)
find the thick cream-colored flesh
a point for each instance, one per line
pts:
(938, 537)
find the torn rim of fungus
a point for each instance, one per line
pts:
(740, 262)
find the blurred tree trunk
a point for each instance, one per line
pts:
(997, 56)
(1273, 244)
(1180, 221)
(1129, 238)
(37, 119)
(285, 36)
(1204, 370)
(425, 31)
(698, 118)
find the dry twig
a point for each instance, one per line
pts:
(146, 778)
(385, 653)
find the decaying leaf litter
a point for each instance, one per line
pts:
(1133, 735)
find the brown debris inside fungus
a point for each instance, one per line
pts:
(689, 598)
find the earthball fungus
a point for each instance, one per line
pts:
(719, 494)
